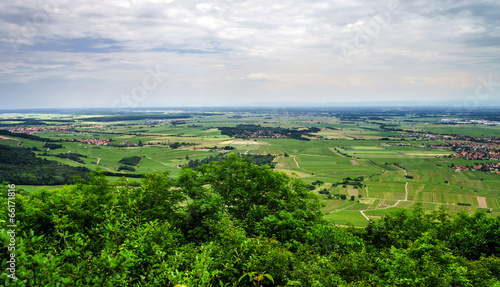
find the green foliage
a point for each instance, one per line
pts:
(125, 167)
(176, 145)
(22, 166)
(258, 159)
(24, 136)
(250, 192)
(72, 156)
(52, 146)
(131, 160)
(234, 224)
(256, 131)
(257, 278)
(475, 236)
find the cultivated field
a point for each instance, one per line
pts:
(397, 170)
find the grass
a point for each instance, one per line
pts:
(381, 162)
(347, 217)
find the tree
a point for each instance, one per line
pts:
(249, 192)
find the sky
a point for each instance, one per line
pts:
(169, 53)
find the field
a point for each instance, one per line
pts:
(397, 168)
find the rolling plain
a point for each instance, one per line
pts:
(362, 167)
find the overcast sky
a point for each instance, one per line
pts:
(205, 53)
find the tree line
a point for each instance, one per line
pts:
(258, 159)
(250, 131)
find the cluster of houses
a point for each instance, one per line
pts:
(479, 167)
(465, 122)
(477, 139)
(102, 141)
(127, 143)
(154, 122)
(31, 130)
(452, 137)
(260, 134)
(475, 150)
(61, 129)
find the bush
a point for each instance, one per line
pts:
(124, 167)
(132, 160)
(324, 191)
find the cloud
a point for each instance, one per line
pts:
(259, 77)
(207, 47)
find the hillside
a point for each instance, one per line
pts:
(218, 227)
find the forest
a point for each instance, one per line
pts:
(258, 159)
(25, 136)
(257, 131)
(22, 166)
(234, 223)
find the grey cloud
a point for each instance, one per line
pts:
(215, 43)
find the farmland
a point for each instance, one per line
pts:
(395, 168)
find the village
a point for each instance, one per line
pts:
(101, 142)
(490, 166)
(260, 134)
(61, 129)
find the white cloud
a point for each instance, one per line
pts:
(260, 77)
(208, 46)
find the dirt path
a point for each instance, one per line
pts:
(406, 189)
(391, 206)
(343, 208)
(6, 138)
(296, 161)
(363, 213)
(98, 160)
(157, 161)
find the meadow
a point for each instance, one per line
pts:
(397, 171)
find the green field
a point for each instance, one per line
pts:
(397, 171)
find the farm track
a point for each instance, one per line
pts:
(406, 199)
(157, 161)
(336, 152)
(343, 208)
(394, 205)
(7, 138)
(406, 189)
(387, 207)
(362, 213)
